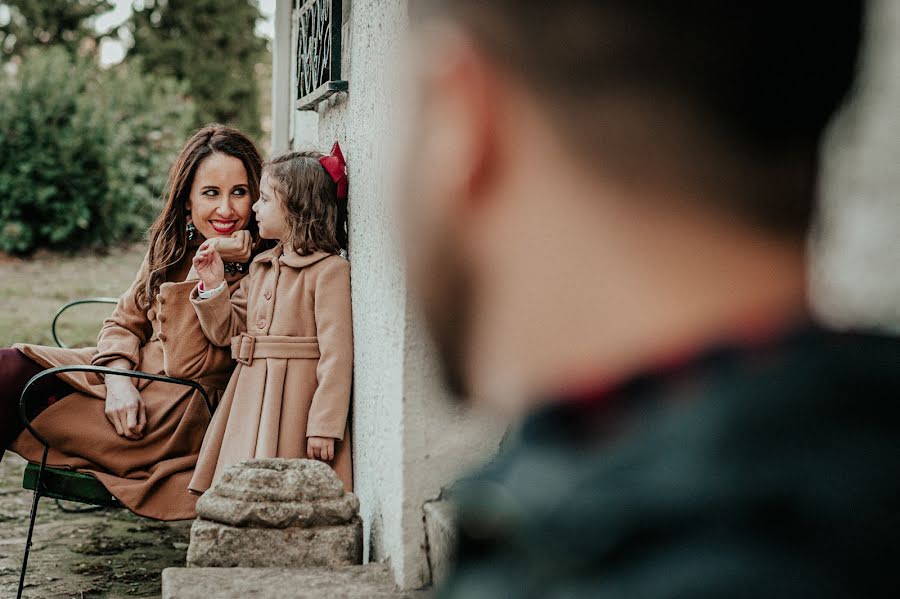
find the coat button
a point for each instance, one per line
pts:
(160, 299)
(161, 317)
(162, 337)
(151, 314)
(267, 294)
(261, 324)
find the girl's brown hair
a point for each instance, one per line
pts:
(168, 235)
(317, 219)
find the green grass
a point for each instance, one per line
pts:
(33, 289)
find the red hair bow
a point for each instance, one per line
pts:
(336, 166)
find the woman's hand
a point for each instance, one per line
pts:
(124, 407)
(320, 448)
(236, 248)
(209, 266)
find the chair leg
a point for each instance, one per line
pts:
(38, 487)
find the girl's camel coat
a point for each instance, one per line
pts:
(289, 327)
(149, 476)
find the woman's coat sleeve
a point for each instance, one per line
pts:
(126, 330)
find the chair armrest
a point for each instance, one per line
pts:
(23, 399)
(87, 300)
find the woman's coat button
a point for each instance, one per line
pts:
(261, 324)
(162, 337)
(151, 314)
(160, 299)
(267, 294)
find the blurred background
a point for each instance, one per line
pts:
(855, 265)
(96, 97)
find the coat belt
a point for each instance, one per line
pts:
(245, 347)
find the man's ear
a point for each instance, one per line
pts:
(463, 88)
(479, 85)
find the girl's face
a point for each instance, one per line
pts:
(220, 196)
(269, 210)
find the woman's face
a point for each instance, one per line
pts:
(220, 196)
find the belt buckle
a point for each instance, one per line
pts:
(251, 346)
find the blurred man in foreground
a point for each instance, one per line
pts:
(606, 204)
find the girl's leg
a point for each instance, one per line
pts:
(15, 370)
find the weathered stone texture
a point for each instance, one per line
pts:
(221, 545)
(277, 513)
(279, 480)
(440, 529)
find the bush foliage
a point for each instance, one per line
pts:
(84, 152)
(212, 47)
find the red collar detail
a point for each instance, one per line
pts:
(750, 334)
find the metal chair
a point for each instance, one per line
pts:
(30, 469)
(60, 483)
(72, 304)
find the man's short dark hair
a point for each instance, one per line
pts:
(762, 77)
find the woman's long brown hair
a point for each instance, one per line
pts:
(168, 237)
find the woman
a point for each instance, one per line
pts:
(141, 438)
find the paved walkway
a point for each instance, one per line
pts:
(106, 554)
(372, 581)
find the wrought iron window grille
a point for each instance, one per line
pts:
(318, 52)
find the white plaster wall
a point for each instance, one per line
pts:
(361, 121)
(409, 440)
(442, 441)
(856, 265)
(305, 130)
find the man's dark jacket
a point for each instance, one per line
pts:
(757, 470)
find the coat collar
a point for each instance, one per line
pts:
(291, 259)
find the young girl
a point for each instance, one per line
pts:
(288, 325)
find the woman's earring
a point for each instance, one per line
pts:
(191, 229)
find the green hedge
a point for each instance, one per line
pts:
(84, 152)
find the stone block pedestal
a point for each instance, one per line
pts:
(277, 513)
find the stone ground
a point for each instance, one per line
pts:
(372, 581)
(103, 554)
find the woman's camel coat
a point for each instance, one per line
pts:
(149, 476)
(289, 327)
